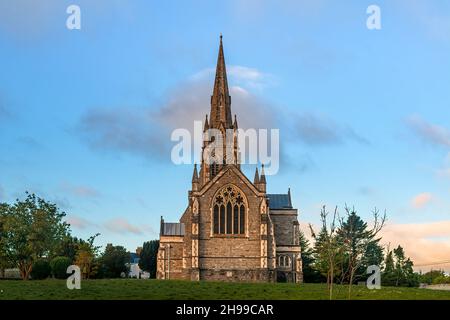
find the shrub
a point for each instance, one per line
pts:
(59, 267)
(442, 280)
(40, 270)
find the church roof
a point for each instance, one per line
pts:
(172, 229)
(279, 201)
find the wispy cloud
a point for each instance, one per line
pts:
(30, 20)
(426, 243)
(79, 222)
(430, 133)
(421, 200)
(129, 130)
(5, 113)
(366, 191)
(434, 21)
(240, 76)
(250, 77)
(146, 131)
(122, 226)
(79, 190)
(444, 172)
(315, 129)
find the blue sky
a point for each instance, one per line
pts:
(86, 115)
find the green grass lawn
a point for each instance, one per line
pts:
(157, 289)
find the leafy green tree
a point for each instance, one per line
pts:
(86, 258)
(4, 261)
(114, 261)
(355, 237)
(41, 270)
(148, 257)
(430, 276)
(442, 279)
(399, 254)
(59, 267)
(32, 229)
(399, 270)
(388, 277)
(374, 255)
(68, 247)
(310, 274)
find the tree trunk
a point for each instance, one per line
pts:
(331, 281)
(25, 269)
(352, 272)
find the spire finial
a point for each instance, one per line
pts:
(256, 180)
(206, 126)
(262, 179)
(221, 37)
(195, 174)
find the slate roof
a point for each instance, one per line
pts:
(134, 258)
(172, 229)
(279, 201)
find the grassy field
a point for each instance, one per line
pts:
(156, 289)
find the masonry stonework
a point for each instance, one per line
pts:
(231, 230)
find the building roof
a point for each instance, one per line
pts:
(134, 257)
(279, 201)
(172, 229)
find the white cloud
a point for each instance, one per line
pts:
(421, 200)
(241, 76)
(430, 133)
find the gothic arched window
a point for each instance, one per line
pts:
(284, 261)
(229, 212)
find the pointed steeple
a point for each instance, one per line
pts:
(235, 125)
(221, 100)
(262, 179)
(195, 179)
(206, 127)
(195, 174)
(256, 180)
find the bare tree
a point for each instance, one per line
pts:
(327, 247)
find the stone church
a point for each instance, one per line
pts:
(232, 229)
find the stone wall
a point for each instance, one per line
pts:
(230, 252)
(285, 222)
(170, 260)
(233, 275)
(202, 255)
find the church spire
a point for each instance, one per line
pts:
(256, 180)
(195, 179)
(206, 127)
(221, 100)
(195, 174)
(262, 179)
